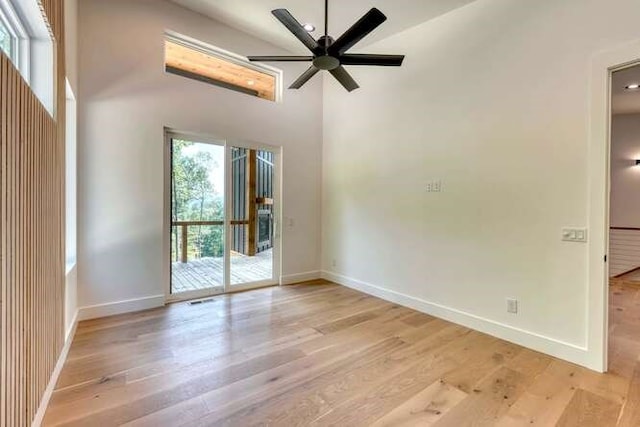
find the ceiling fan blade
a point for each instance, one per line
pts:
(379, 60)
(305, 77)
(296, 28)
(344, 78)
(280, 58)
(369, 22)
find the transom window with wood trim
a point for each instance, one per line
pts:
(193, 59)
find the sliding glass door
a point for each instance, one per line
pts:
(223, 206)
(197, 217)
(252, 209)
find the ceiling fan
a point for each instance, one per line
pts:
(330, 54)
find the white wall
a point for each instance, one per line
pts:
(71, 67)
(126, 99)
(70, 299)
(71, 42)
(493, 101)
(625, 175)
(71, 209)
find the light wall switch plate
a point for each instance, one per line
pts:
(570, 234)
(434, 186)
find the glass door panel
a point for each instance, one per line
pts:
(251, 236)
(197, 218)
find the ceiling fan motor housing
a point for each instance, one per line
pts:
(326, 62)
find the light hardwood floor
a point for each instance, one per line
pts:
(321, 354)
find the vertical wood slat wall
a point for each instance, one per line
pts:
(31, 234)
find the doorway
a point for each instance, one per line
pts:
(222, 202)
(624, 222)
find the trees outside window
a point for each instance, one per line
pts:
(194, 198)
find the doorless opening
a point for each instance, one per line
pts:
(624, 220)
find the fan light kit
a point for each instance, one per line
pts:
(329, 54)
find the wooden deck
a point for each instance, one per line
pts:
(207, 273)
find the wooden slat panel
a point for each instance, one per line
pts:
(31, 235)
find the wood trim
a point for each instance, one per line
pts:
(184, 244)
(625, 228)
(32, 279)
(195, 223)
(207, 67)
(264, 201)
(205, 79)
(252, 211)
(184, 236)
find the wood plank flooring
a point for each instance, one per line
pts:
(319, 354)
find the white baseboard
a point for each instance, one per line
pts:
(46, 397)
(551, 346)
(120, 307)
(300, 277)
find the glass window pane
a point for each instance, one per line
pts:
(6, 40)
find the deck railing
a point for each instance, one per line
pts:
(184, 225)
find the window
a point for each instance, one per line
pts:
(13, 37)
(26, 39)
(7, 40)
(71, 178)
(193, 59)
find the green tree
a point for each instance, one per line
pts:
(5, 40)
(194, 199)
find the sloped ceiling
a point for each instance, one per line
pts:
(254, 16)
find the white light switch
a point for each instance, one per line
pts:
(434, 186)
(574, 234)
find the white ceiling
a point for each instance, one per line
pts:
(254, 16)
(625, 101)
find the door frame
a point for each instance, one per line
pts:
(226, 143)
(603, 65)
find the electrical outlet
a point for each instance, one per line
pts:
(290, 222)
(512, 305)
(334, 264)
